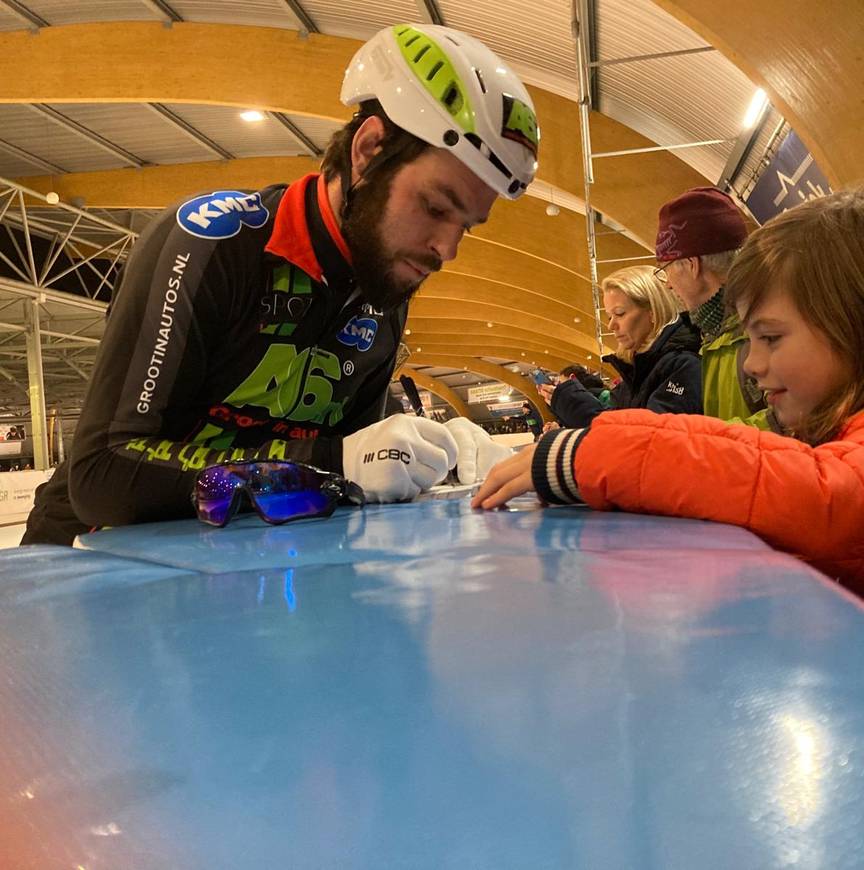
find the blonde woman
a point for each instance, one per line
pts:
(657, 357)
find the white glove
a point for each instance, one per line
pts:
(399, 457)
(477, 451)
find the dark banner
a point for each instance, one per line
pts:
(792, 177)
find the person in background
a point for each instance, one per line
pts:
(531, 419)
(699, 234)
(657, 356)
(590, 380)
(265, 325)
(798, 288)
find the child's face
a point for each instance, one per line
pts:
(792, 362)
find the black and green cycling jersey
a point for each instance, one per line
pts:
(236, 332)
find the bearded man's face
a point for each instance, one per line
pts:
(401, 227)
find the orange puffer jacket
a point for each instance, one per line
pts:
(806, 500)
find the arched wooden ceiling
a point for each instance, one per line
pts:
(807, 57)
(523, 272)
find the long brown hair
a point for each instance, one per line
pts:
(815, 252)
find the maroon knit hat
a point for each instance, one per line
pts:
(703, 220)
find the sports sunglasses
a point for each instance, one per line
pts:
(279, 491)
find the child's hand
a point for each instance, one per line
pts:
(506, 480)
(548, 427)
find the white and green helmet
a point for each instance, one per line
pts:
(451, 91)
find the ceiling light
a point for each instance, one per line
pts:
(490, 325)
(577, 319)
(407, 332)
(52, 198)
(589, 356)
(252, 115)
(552, 210)
(757, 104)
(419, 349)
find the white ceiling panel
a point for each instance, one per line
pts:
(57, 12)
(224, 125)
(138, 129)
(319, 130)
(260, 13)
(672, 100)
(8, 21)
(359, 19)
(530, 34)
(45, 138)
(630, 27)
(13, 166)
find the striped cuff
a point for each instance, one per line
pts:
(552, 466)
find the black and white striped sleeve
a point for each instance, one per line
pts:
(552, 466)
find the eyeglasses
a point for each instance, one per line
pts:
(662, 272)
(279, 491)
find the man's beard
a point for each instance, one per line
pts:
(373, 266)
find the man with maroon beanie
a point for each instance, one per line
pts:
(698, 236)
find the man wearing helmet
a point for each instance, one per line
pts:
(265, 325)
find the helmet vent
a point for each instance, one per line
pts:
(412, 40)
(434, 71)
(421, 52)
(451, 96)
(489, 154)
(480, 79)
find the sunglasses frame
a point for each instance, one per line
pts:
(334, 486)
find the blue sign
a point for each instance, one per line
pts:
(359, 332)
(219, 215)
(792, 177)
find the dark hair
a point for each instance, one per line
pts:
(588, 379)
(399, 147)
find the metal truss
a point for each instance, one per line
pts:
(58, 269)
(57, 247)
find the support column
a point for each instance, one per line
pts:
(39, 425)
(58, 440)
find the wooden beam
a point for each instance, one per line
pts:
(807, 56)
(135, 61)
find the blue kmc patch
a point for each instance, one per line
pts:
(359, 332)
(219, 215)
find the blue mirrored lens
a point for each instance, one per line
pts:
(214, 492)
(282, 506)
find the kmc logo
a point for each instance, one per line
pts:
(219, 215)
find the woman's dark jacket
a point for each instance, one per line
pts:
(666, 378)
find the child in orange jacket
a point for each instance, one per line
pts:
(798, 288)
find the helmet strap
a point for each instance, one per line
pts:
(395, 142)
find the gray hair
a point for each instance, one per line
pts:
(719, 264)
